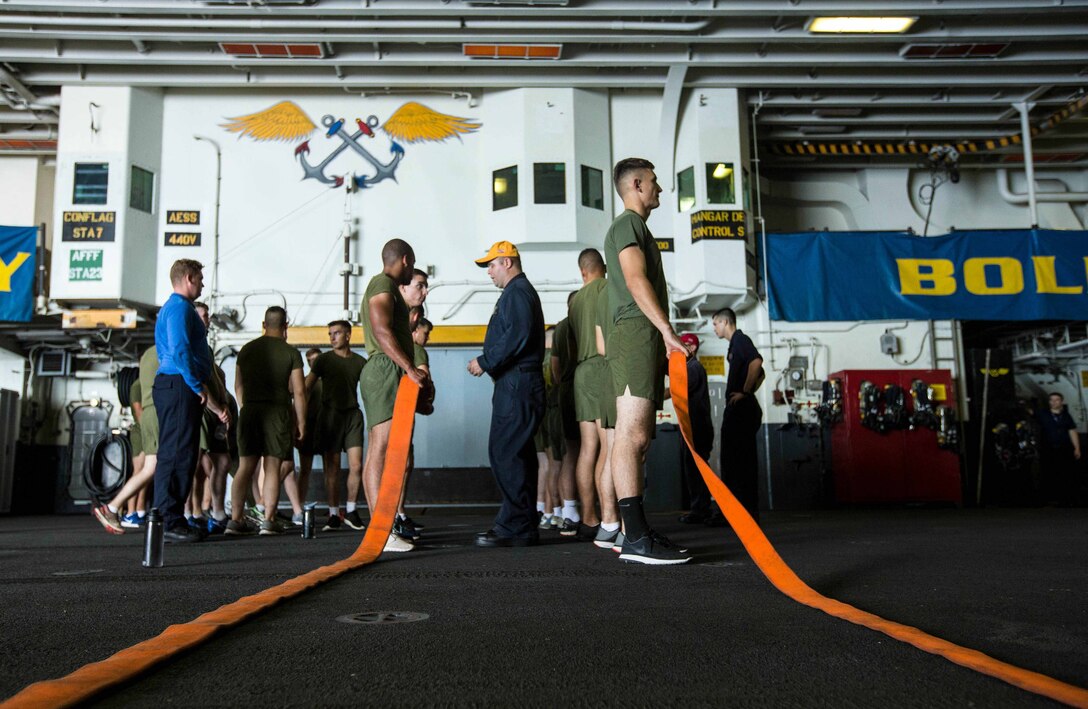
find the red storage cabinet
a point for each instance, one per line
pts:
(901, 465)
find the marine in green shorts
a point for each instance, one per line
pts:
(135, 439)
(339, 423)
(149, 420)
(382, 375)
(583, 326)
(563, 351)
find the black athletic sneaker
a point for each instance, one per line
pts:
(667, 543)
(353, 520)
(648, 550)
(332, 525)
(587, 533)
(404, 528)
(569, 528)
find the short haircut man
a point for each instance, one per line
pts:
(389, 344)
(743, 415)
(268, 370)
(340, 422)
(637, 346)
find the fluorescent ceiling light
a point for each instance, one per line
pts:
(861, 25)
(721, 171)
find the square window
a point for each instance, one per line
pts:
(592, 188)
(685, 189)
(549, 183)
(720, 184)
(504, 188)
(141, 193)
(91, 183)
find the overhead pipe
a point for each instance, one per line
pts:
(47, 134)
(1029, 160)
(334, 24)
(1022, 198)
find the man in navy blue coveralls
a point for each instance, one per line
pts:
(181, 393)
(513, 351)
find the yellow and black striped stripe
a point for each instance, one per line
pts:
(872, 147)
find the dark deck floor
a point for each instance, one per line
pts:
(566, 623)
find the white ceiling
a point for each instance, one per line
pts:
(842, 89)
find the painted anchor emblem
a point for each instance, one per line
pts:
(412, 122)
(383, 171)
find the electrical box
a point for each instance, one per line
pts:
(889, 344)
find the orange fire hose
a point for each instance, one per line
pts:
(785, 580)
(97, 677)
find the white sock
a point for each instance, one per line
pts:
(260, 508)
(570, 511)
(141, 513)
(111, 508)
(334, 511)
(539, 506)
(401, 516)
(557, 512)
(610, 526)
(349, 507)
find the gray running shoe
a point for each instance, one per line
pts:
(240, 528)
(606, 539)
(271, 527)
(648, 550)
(617, 546)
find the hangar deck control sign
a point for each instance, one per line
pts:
(718, 224)
(89, 226)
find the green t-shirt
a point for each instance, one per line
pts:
(422, 359)
(583, 318)
(627, 230)
(339, 379)
(563, 350)
(402, 331)
(266, 365)
(149, 367)
(603, 315)
(135, 394)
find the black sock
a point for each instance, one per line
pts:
(634, 519)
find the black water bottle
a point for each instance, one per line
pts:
(153, 539)
(308, 519)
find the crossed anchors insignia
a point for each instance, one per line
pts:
(411, 123)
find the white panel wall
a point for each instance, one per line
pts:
(19, 190)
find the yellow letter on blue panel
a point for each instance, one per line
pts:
(7, 270)
(1046, 277)
(1012, 276)
(938, 279)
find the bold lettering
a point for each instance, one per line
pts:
(1046, 277)
(1012, 276)
(938, 280)
(7, 270)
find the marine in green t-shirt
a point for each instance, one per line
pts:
(583, 318)
(339, 372)
(629, 229)
(402, 333)
(265, 365)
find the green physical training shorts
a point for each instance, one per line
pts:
(264, 429)
(552, 427)
(339, 430)
(568, 422)
(636, 354)
(135, 439)
(149, 431)
(378, 385)
(608, 398)
(587, 388)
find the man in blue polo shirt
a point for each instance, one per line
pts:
(181, 392)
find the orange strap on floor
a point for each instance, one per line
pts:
(785, 580)
(95, 678)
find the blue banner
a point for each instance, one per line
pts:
(17, 266)
(966, 275)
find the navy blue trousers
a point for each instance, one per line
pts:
(179, 413)
(740, 462)
(517, 408)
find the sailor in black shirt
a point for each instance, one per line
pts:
(743, 416)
